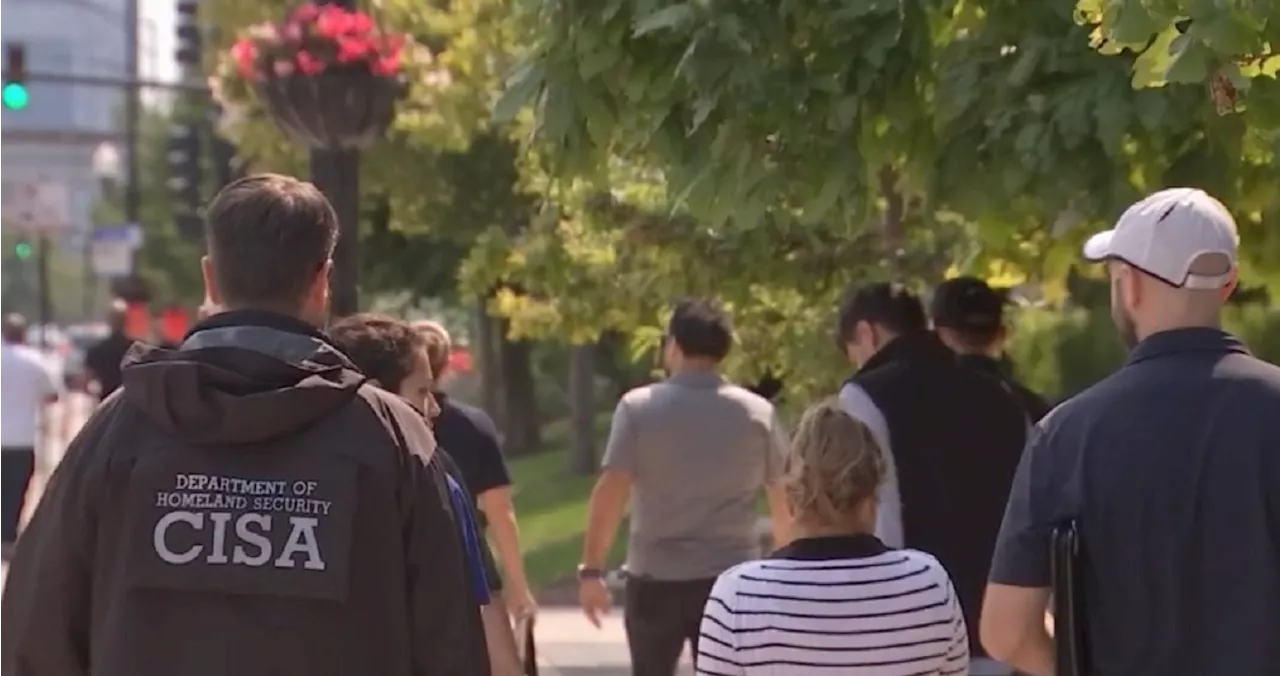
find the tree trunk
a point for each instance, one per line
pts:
(894, 213)
(583, 460)
(520, 404)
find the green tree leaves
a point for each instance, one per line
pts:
(1230, 45)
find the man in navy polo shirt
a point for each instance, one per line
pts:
(1171, 468)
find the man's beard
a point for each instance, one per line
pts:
(1125, 326)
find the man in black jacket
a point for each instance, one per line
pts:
(247, 504)
(952, 436)
(969, 317)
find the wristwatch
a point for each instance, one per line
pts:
(588, 573)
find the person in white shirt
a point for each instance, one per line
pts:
(28, 388)
(836, 600)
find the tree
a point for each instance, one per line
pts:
(770, 153)
(1233, 47)
(441, 179)
(168, 262)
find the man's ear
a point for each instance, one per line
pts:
(1231, 286)
(320, 285)
(211, 293)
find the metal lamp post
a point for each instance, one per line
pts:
(335, 114)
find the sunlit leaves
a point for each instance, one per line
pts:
(1230, 45)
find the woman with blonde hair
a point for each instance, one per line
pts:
(836, 599)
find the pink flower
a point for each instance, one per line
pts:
(284, 68)
(351, 50)
(359, 23)
(308, 64)
(305, 13)
(385, 67)
(293, 32)
(332, 22)
(245, 53)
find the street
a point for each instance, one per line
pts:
(569, 646)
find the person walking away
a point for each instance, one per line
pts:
(395, 355)
(876, 610)
(104, 357)
(968, 316)
(692, 453)
(951, 437)
(1168, 467)
(248, 504)
(29, 388)
(471, 439)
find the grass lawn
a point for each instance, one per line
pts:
(551, 503)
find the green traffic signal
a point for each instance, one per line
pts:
(15, 96)
(22, 250)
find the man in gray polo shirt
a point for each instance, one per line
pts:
(693, 454)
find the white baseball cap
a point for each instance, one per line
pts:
(1165, 233)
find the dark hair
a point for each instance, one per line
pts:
(268, 235)
(891, 305)
(382, 347)
(971, 308)
(700, 329)
(15, 328)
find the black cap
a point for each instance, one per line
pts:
(968, 304)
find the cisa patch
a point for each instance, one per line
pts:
(254, 525)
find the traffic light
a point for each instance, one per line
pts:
(15, 95)
(190, 40)
(186, 176)
(22, 250)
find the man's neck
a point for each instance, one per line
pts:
(695, 368)
(1161, 326)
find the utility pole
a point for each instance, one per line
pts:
(132, 115)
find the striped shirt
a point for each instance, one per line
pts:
(845, 605)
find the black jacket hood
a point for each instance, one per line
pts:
(240, 377)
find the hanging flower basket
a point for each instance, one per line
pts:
(326, 75)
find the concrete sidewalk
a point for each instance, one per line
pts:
(569, 646)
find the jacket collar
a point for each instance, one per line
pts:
(832, 547)
(924, 345)
(1181, 341)
(286, 338)
(981, 362)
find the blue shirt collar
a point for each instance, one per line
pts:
(1180, 341)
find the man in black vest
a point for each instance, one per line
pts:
(953, 436)
(969, 317)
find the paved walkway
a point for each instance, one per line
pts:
(569, 646)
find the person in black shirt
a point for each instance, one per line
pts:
(394, 355)
(104, 357)
(951, 438)
(471, 438)
(968, 316)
